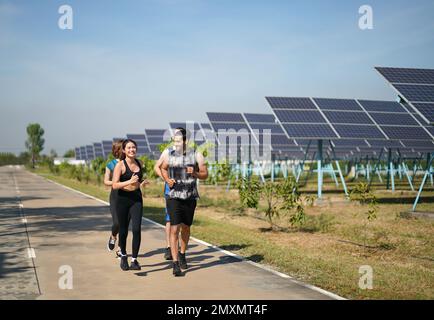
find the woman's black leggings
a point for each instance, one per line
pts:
(113, 201)
(130, 207)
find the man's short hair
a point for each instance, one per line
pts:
(186, 134)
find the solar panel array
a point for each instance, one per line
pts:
(346, 119)
(354, 128)
(416, 86)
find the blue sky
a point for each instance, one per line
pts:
(130, 65)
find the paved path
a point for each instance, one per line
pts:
(58, 228)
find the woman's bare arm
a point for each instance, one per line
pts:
(107, 175)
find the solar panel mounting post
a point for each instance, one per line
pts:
(376, 168)
(344, 185)
(319, 168)
(427, 172)
(389, 166)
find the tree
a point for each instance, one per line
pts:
(53, 153)
(69, 154)
(35, 142)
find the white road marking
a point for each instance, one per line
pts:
(31, 253)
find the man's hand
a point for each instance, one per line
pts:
(170, 182)
(190, 170)
(144, 183)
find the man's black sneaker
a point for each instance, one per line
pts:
(111, 244)
(176, 269)
(182, 261)
(135, 265)
(124, 263)
(168, 254)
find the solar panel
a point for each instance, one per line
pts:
(337, 104)
(97, 146)
(230, 127)
(142, 143)
(77, 154)
(260, 118)
(156, 137)
(136, 137)
(426, 109)
(206, 126)
(225, 117)
(313, 131)
(419, 144)
(394, 119)
(349, 143)
(290, 103)
(107, 148)
(296, 116)
(359, 131)
(381, 106)
(407, 75)
(90, 155)
(416, 86)
(155, 132)
(409, 133)
(347, 117)
(387, 144)
(272, 128)
(83, 153)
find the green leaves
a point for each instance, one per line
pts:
(280, 198)
(364, 195)
(34, 142)
(249, 191)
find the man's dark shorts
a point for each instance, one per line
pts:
(181, 211)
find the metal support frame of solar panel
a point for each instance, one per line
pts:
(155, 137)
(142, 143)
(416, 86)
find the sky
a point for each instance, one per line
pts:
(130, 65)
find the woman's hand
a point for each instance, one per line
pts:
(134, 179)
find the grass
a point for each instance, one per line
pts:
(328, 251)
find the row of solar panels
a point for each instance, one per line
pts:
(352, 127)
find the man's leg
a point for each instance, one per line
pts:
(174, 236)
(168, 234)
(185, 237)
